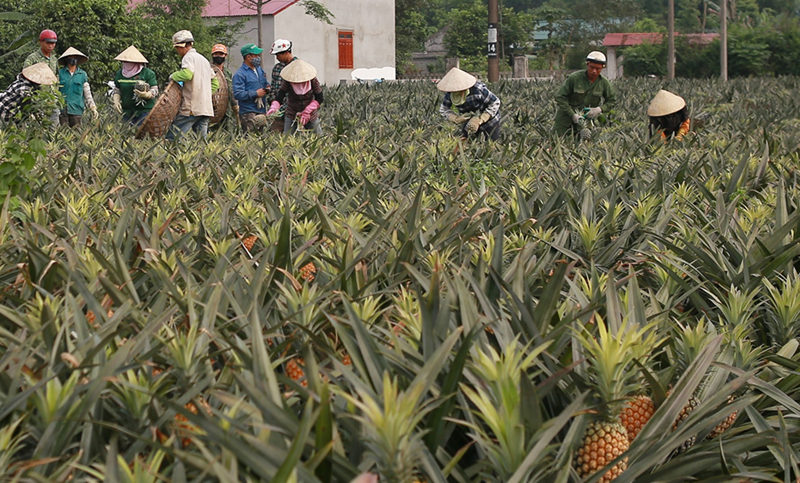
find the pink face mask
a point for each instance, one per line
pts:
(130, 69)
(301, 88)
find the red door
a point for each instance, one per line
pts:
(345, 49)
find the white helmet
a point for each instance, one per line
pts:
(596, 57)
(279, 46)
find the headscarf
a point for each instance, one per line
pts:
(130, 69)
(459, 97)
(301, 88)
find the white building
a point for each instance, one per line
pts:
(362, 35)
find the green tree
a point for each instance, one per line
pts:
(411, 30)
(467, 35)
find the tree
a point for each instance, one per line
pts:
(313, 8)
(467, 36)
(411, 30)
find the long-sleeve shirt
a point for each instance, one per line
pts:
(131, 106)
(15, 96)
(75, 88)
(295, 103)
(578, 92)
(276, 80)
(246, 81)
(479, 100)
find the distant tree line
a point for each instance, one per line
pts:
(764, 35)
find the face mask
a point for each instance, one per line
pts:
(218, 60)
(459, 98)
(256, 61)
(72, 61)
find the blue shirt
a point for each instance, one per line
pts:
(246, 82)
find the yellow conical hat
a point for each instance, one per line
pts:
(40, 74)
(665, 103)
(131, 54)
(73, 52)
(299, 71)
(456, 80)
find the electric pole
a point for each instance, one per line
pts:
(494, 62)
(723, 41)
(671, 41)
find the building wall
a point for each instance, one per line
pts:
(372, 23)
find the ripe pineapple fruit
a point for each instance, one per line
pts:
(308, 272)
(249, 241)
(609, 358)
(725, 423)
(636, 413)
(296, 372)
(686, 411)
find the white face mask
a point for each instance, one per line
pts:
(459, 97)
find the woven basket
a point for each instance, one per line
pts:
(157, 123)
(220, 98)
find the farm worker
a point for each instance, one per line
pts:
(74, 85)
(250, 88)
(47, 44)
(135, 87)
(585, 89)
(282, 50)
(199, 83)
(669, 116)
(477, 109)
(17, 95)
(219, 54)
(303, 96)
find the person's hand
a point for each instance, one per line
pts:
(457, 119)
(305, 115)
(93, 111)
(273, 108)
(261, 92)
(576, 118)
(593, 112)
(474, 124)
(144, 94)
(116, 101)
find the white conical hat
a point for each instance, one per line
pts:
(456, 80)
(298, 71)
(665, 103)
(131, 54)
(73, 52)
(40, 74)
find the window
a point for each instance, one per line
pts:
(345, 49)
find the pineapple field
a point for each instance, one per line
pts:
(387, 303)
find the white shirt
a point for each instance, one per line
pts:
(197, 92)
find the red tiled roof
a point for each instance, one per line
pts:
(627, 39)
(232, 8)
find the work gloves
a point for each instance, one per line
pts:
(457, 119)
(116, 101)
(305, 115)
(475, 123)
(273, 108)
(576, 118)
(593, 112)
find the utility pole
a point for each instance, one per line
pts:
(494, 62)
(723, 41)
(671, 41)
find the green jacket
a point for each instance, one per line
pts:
(71, 86)
(38, 56)
(577, 93)
(126, 85)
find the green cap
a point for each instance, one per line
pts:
(248, 49)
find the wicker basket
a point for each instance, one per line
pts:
(157, 123)
(220, 98)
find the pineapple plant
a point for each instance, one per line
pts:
(609, 358)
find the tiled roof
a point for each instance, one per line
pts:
(627, 39)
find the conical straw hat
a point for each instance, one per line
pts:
(456, 80)
(131, 54)
(299, 71)
(665, 103)
(73, 52)
(40, 73)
